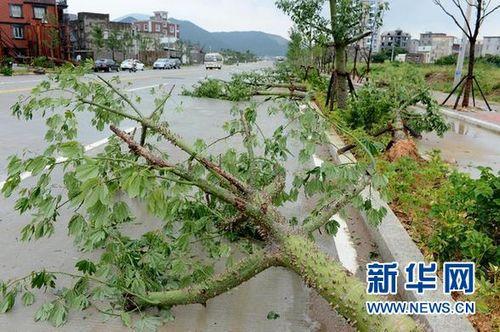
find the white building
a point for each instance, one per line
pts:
(441, 44)
(491, 45)
(374, 39)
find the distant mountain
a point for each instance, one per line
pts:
(134, 17)
(128, 19)
(257, 42)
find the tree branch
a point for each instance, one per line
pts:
(438, 2)
(123, 96)
(154, 160)
(231, 278)
(333, 208)
(359, 37)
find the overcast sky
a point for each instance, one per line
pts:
(413, 16)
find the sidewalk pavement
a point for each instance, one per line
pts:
(479, 116)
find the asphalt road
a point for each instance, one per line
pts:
(242, 309)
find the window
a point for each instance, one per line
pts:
(16, 11)
(39, 12)
(158, 28)
(172, 29)
(146, 27)
(18, 31)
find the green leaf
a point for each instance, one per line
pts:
(71, 149)
(273, 315)
(43, 279)
(148, 324)
(8, 302)
(86, 266)
(76, 225)
(126, 319)
(28, 298)
(43, 313)
(58, 314)
(332, 227)
(87, 171)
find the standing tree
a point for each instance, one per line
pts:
(54, 40)
(97, 37)
(127, 43)
(114, 42)
(482, 8)
(345, 27)
(145, 44)
(209, 207)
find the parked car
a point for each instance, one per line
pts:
(177, 63)
(132, 64)
(106, 65)
(162, 64)
(213, 61)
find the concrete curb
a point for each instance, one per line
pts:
(473, 121)
(395, 245)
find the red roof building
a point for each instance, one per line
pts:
(33, 28)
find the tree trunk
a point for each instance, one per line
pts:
(470, 74)
(346, 294)
(341, 88)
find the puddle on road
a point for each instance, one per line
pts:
(465, 145)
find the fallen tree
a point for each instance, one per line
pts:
(219, 204)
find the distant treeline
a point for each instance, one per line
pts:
(232, 57)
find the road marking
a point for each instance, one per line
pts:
(345, 248)
(145, 87)
(19, 82)
(15, 90)
(87, 148)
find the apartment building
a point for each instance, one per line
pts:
(491, 45)
(393, 39)
(83, 42)
(441, 44)
(158, 26)
(33, 28)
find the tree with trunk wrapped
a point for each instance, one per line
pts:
(481, 9)
(208, 206)
(346, 25)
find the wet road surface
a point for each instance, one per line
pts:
(465, 145)
(242, 309)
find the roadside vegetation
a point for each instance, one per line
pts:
(440, 76)
(232, 57)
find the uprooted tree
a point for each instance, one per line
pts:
(347, 25)
(208, 206)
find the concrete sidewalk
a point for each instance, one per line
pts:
(480, 104)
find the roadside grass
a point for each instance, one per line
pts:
(452, 217)
(440, 77)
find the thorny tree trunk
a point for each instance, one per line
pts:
(470, 74)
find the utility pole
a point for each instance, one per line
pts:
(463, 47)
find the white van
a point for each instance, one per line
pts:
(213, 61)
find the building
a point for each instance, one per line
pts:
(491, 46)
(83, 43)
(419, 58)
(372, 41)
(393, 39)
(33, 28)
(413, 45)
(159, 27)
(441, 44)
